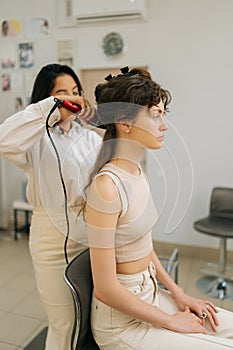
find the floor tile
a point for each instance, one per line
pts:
(5, 346)
(6, 276)
(23, 328)
(184, 271)
(31, 307)
(16, 263)
(228, 305)
(34, 334)
(192, 288)
(9, 298)
(24, 281)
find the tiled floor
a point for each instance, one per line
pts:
(21, 313)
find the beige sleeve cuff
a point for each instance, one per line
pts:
(45, 107)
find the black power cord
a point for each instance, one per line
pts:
(57, 103)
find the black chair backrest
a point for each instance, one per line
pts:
(79, 278)
(221, 204)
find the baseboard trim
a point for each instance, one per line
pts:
(194, 252)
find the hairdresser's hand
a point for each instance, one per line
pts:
(88, 116)
(77, 99)
(198, 306)
(87, 113)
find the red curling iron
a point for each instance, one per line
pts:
(72, 107)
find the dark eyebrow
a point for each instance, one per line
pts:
(61, 90)
(64, 90)
(159, 110)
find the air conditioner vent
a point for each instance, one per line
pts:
(84, 11)
(108, 17)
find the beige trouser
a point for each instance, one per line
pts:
(114, 330)
(47, 251)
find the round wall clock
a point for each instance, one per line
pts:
(113, 44)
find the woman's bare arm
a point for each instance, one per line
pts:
(102, 216)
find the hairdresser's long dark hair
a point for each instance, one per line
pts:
(45, 81)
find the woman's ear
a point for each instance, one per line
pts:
(124, 127)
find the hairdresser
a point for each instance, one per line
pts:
(57, 153)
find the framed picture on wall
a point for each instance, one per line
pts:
(8, 56)
(26, 55)
(12, 81)
(10, 28)
(65, 52)
(6, 82)
(38, 27)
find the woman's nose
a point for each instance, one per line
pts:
(163, 126)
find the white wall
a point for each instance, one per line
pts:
(187, 45)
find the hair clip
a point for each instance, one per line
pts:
(124, 70)
(108, 77)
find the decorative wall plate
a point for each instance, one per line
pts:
(113, 44)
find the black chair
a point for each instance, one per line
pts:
(219, 223)
(79, 278)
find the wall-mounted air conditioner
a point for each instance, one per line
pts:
(86, 11)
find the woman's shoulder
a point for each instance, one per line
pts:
(103, 195)
(104, 185)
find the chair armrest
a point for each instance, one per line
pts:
(171, 264)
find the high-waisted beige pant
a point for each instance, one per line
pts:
(114, 330)
(47, 251)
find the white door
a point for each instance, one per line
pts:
(90, 78)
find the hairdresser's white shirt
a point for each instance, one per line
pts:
(24, 141)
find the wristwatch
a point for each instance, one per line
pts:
(113, 44)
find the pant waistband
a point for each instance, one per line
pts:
(140, 277)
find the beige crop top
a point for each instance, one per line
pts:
(132, 237)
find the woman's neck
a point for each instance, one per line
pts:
(127, 166)
(128, 156)
(65, 125)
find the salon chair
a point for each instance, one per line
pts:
(218, 280)
(171, 265)
(79, 279)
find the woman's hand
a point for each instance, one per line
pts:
(198, 306)
(187, 322)
(77, 99)
(87, 112)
